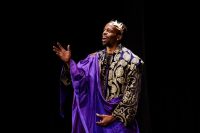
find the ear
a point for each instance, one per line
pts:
(119, 37)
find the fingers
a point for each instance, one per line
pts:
(98, 115)
(59, 45)
(60, 49)
(56, 49)
(101, 116)
(99, 122)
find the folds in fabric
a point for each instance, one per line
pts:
(88, 100)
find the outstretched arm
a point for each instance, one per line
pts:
(70, 69)
(65, 56)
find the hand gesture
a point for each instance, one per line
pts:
(105, 119)
(64, 55)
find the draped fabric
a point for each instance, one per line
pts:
(88, 100)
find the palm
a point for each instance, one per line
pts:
(64, 55)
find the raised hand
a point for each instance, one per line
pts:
(64, 55)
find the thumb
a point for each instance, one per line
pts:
(101, 116)
(68, 48)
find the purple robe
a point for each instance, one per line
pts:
(88, 100)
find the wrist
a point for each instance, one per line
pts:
(67, 62)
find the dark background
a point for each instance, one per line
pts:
(158, 32)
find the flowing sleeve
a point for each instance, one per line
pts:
(65, 90)
(127, 108)
(79, 73)
(65, 75)
(72, 76)
(74, 71)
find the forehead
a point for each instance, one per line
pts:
(111, 26)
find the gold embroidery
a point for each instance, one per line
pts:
(123, 80)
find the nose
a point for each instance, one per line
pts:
(104, 32)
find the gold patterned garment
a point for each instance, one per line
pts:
(121, 77)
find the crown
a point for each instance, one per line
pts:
(119, 25)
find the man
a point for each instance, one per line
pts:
(106, 85)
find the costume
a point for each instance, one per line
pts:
(104, 84)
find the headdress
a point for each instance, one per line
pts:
(119, 25)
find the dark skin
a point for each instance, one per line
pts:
(110, 39)
(63, 54)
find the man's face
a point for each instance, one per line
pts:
(110, 35)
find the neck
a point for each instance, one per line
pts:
(111, 49)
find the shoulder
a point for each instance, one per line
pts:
(92, 54)
(133, 58)
(100, 52)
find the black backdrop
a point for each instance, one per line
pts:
(83, 30)
(155, 33)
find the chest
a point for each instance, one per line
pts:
(114, 66)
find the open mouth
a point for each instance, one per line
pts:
(104, 38)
